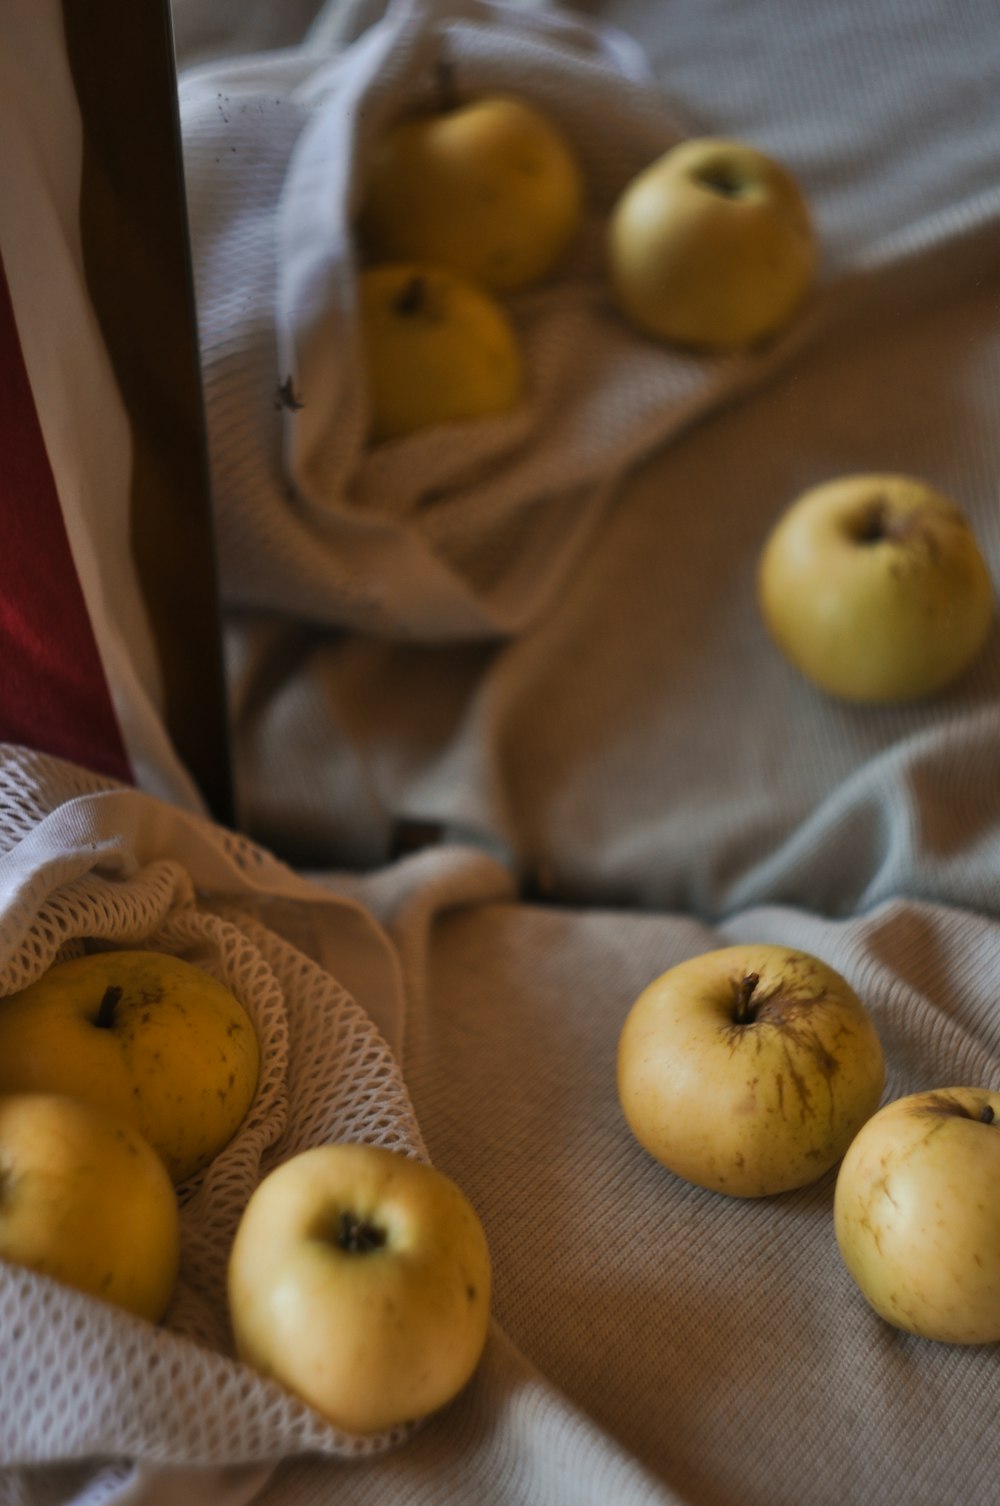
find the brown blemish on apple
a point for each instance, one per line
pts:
(941, 1103)
(788, 1008)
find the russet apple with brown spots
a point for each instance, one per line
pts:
(917, 1214)
(749, 1069)
(147, 1036)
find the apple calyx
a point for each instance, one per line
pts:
(358, 1236)
(105, 1016)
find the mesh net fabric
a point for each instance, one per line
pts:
(78, 1378)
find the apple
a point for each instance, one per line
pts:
(148, 1037)
(874, 587)
(437, 350)
(711, 246)
(917, 1217)
(748, 1069)
(360, 1280)
(488, 187)
(85, 1200)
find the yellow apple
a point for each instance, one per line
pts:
(711, 246)
(748, 1069)
(874, 587)
(148, 1037)
(437, 350)
(360, 1280)
(84, 1199)
(489, 187)
(917, 1216)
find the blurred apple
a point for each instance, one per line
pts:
(711, 246)
(437, 350)
(917, 1216)
(360, 1280)
(874, 587)
(84, 1199)
(148, 1037)
(489, 187)
(749, 1069)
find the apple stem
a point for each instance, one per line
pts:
(444, 82)
(744, 993)
(986, 1115)
(106, 1010)
(874, 525)
(357, 1236)
(410, 299)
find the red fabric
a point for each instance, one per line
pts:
(53, 693)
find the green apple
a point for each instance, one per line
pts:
(84, 1199)
(917, 1216)
(874, 587)
(437, 350)
(489, 187)
(711, 246)
(359, 1279)
(748, 1069)
(149, 1037)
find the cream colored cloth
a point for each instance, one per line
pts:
(637, 739)
(639, 753)
(653, 1343)
(463, 531)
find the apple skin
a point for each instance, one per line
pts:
(85, 1200)
(917, 1217)
(755, 1107)
(174, 1054)
(489, 187)
(370, 1336)
(711, 246)
(874, 587)
(437, 350)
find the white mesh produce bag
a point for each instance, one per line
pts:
(462, 530)
(81, 859)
